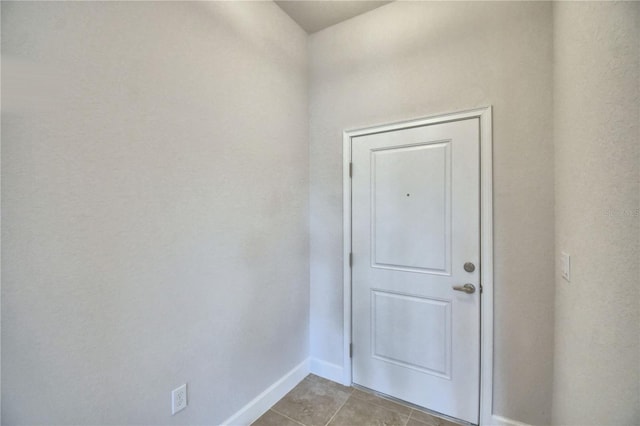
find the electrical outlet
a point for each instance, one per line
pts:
(178, 399)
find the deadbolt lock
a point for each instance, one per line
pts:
(469, 267)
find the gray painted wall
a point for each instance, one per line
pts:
(412, 59)
(155, 208)
(597, 141)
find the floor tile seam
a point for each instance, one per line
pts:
(399, 402)
(381, 408)
(285, 416)
(387, 408)
(339, 408)
(416, 420)
(411, 416)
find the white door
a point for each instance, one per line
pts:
(415, 224)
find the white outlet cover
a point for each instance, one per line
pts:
(178, 399)
(565, 265)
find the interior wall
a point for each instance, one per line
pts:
(597, 136)
(413, 59)
(155, 208)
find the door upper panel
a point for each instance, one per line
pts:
(411, 207)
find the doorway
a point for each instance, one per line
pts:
(418, 283)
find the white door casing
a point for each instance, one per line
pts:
(417, 209)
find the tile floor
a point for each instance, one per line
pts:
(320, 402)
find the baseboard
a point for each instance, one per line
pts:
(503, 421)
(328, 371)
(261, 404)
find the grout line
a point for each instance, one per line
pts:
(420, 422)
(408, 417)
(395, 410)
(340, 408)
(414, 408)
(287, 417)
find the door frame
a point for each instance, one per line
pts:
(486, 242)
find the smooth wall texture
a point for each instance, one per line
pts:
(155, 208)
(413, 59)
(597, 148)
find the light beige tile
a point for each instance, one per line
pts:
(359, 412)
(414, 422)
(426, 418)
(334, 385)
(271, 418)
(382, 402)
(314, 401)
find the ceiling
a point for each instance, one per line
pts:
(313, 15)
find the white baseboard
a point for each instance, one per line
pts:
(261, 403)
(328, 371)
(503, 421)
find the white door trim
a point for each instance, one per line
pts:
(486, 242)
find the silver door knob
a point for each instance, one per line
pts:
(467, 288)
(469, 267)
